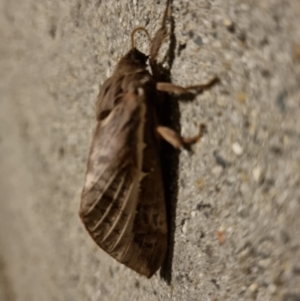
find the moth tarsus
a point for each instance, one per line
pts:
(123, 202)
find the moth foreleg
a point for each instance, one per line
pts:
(160, 35)
(178, 141)
(171, 88)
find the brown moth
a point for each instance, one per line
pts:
(123, 203)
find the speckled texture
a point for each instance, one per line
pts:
(237, 217)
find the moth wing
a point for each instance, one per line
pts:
(105, 101)
(117, 212)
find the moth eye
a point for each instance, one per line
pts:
(104, 114)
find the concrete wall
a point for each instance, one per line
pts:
(242, 181)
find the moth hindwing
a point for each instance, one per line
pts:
(123, 202)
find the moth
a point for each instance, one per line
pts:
(123, 202)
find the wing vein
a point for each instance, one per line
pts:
(120, 214)
(101, 193)
(115, 198)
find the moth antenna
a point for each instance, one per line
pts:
(139, 29)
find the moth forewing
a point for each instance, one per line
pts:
(122, 206)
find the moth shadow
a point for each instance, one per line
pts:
(170, 116)
(170, 170)
(170, 164)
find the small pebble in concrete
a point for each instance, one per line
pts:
(241, 97)
(272, 289)
(237, 149)
(228, 23)
(217, 170)
(184, 227)
(198, 41)
(253, 288)
(200, 183)
(219, 159)
(281, 99)
(220, 235)
(258, 174)
(264, 263)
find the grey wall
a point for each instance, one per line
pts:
(242, 181)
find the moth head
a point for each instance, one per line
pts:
(137, 56)
(132, 61)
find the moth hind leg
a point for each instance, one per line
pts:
(178, 141)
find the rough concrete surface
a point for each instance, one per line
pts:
(236, 213)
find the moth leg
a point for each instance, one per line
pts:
(159, 36)
(170, 88)
(176, 140)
